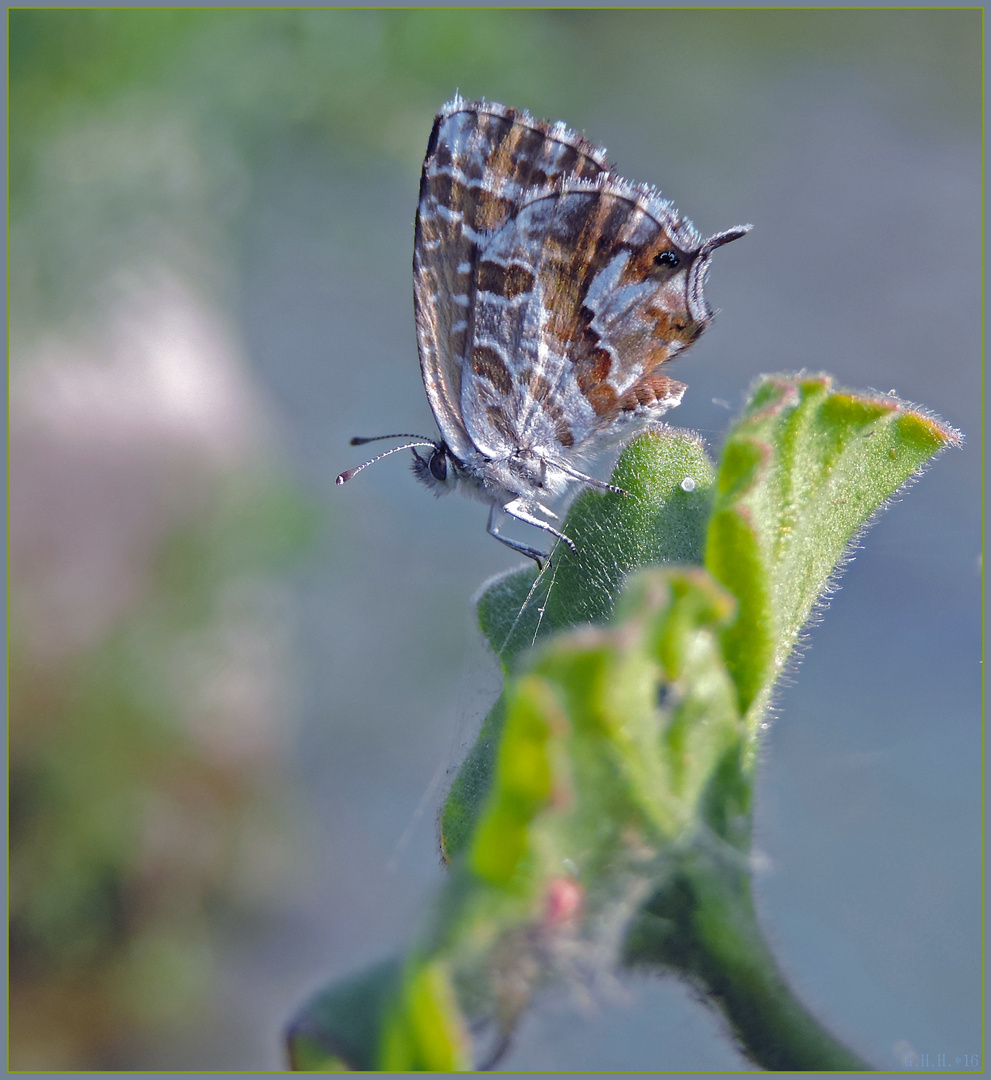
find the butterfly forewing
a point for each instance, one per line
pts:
(481, 161)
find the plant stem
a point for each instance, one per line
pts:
(704, 925)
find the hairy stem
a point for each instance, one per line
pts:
(704, 925)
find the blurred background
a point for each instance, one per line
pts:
(237, 693)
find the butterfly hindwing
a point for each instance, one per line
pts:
(580, 297)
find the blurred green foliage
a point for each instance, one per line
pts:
(134, 811)
(123, 118)
(347, 67)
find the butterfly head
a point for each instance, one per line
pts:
(439, 469)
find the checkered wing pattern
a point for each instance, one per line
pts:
(481, 163)
(580, 296)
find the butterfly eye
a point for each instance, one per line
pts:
(666, 259)
(438, 465)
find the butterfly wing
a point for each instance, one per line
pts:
(481, 162)
(580, 297)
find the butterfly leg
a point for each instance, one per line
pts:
(521, 510)
(590, 480)
(493, 530)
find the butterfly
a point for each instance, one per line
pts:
(548, 294)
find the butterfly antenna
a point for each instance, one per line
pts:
(359, 441)
(348, 473)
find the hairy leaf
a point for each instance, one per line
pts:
(801, 474)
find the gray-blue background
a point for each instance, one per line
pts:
(852, 141)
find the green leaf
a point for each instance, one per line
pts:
(609, 795)
(801, 474)
(395, 1017)
(341, 1028)
(423, 1030)
(668, 479)
(613, 741)
(616, 729)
